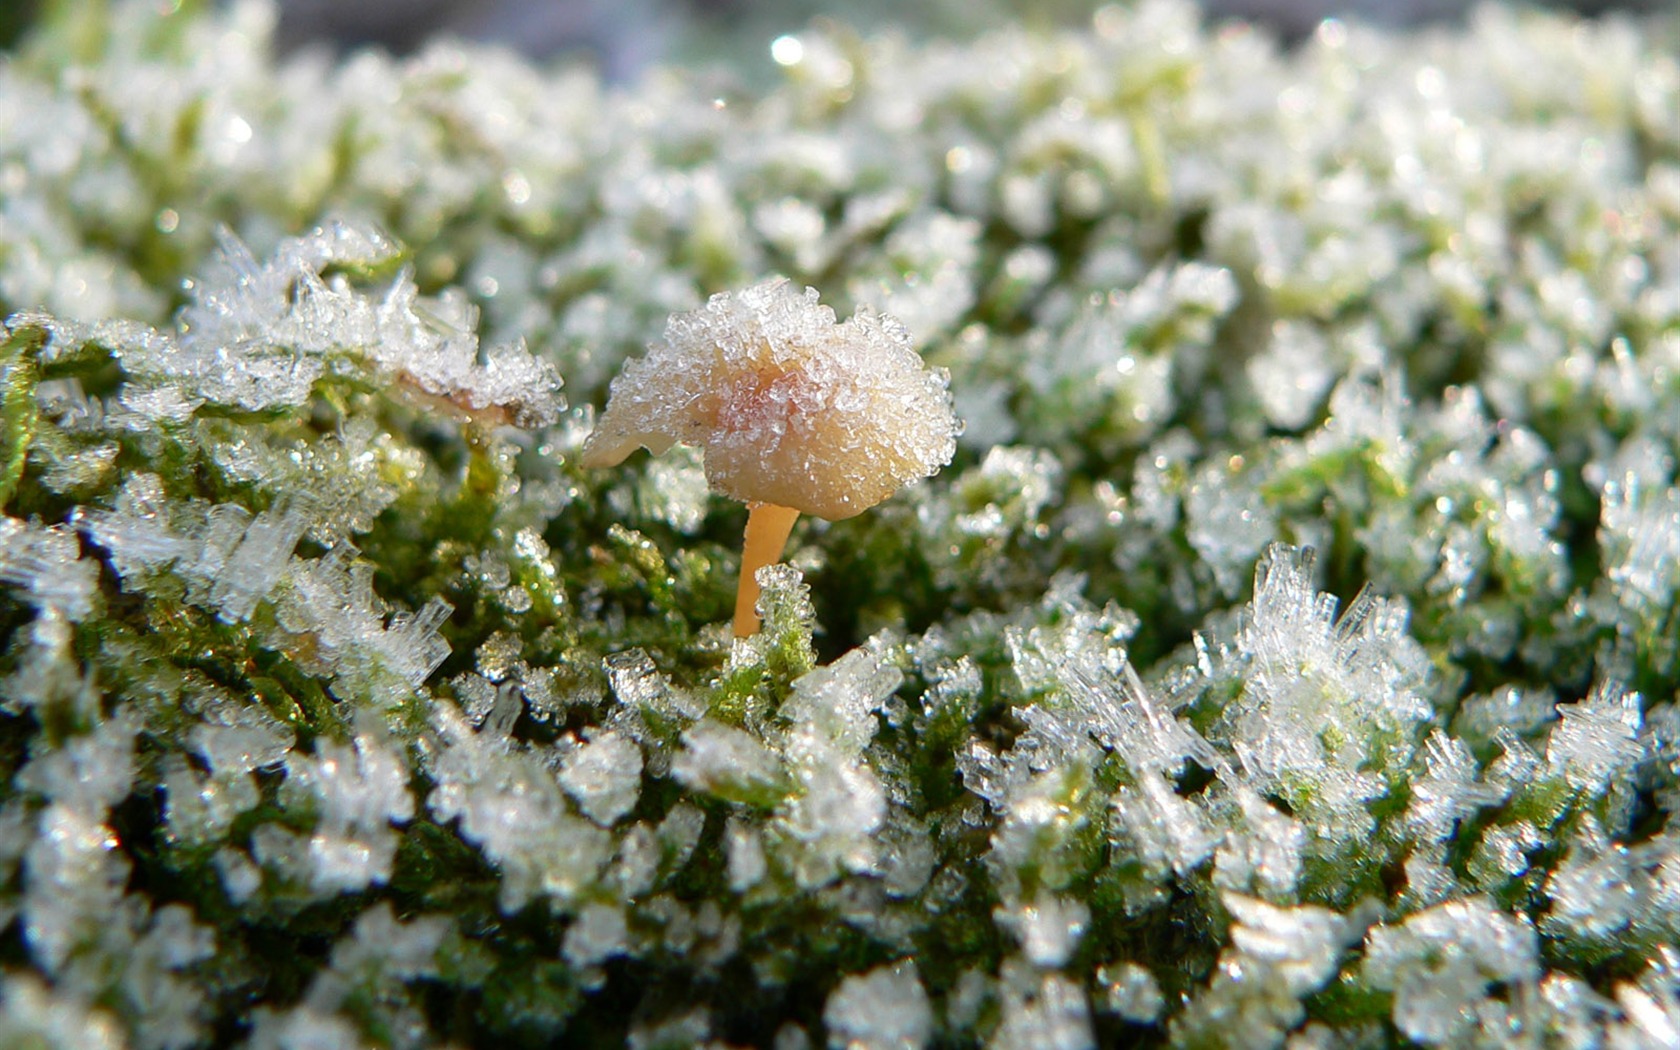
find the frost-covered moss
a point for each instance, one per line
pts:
(1287, 657)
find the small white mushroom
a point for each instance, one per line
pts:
(795, 413)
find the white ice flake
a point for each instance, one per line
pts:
(241, 878)
(603, 776)
(1227, 521)
(841, 699)
(360, 789)
(74, 880)
(259, 335)
(1639, 530)
(1048, 928)
(1293, 373)
(1278, 956)
(1131, 991)
(375, 959)
(884, 1009)
(330, 602)
(1650, 1006)
(1302, 945)
(1596, 745)
(33, 1014)
(830, 820)
(678, 835)
(1594, 893)
(89, 772)
(729, 763)
(45, 563)
(168, 1007)
(237, 738)
(1441, 962)
(598, 933)
(744, 849)
(200, 807)
(251, 569)
(1042, 1011)
(1448, 790)
(138, 534)
(1263, 848)
(1326, 700)
(511, 806)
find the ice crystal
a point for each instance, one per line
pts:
(510, 804)
(884, 1009)
(375, 959)
(1047, 1011)
(746, 859)
(77, 878)
(727, 762)
(604, 776)
(1277, 956)
(1440, 964)
(838, 806)
(1596, 744)
(31, 1014)
(1293, 726)
(46, 564)
(282, 322)
(359, 791)
(598, 934)
(1131, 991)
(1288, 657)
(1650, 1005)
(1048, 928)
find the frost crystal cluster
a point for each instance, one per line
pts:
(1287, 657)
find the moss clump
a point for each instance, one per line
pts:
(1287, 653)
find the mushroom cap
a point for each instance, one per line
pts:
(789, 406)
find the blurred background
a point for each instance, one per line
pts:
(625, 36)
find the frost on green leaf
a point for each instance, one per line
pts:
(1287, 657)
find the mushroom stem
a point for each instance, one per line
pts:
(768, 526)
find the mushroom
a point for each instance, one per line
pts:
(795, 413)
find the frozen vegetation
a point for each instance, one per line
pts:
(1288, 657)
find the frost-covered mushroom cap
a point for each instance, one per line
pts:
(790, 407)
